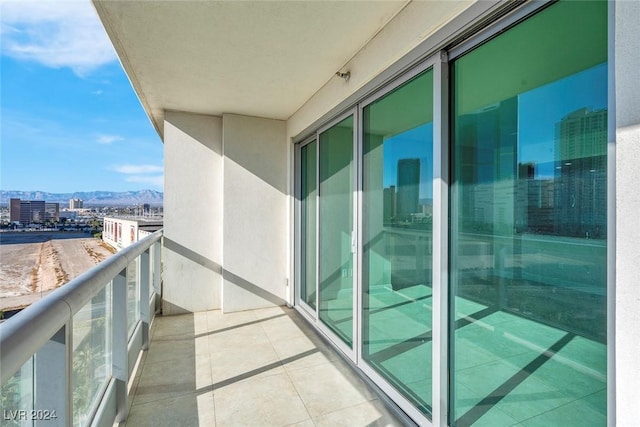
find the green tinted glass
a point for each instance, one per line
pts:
(336, 229)
(397, 237)
(528, 223)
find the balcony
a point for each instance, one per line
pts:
(94, 353)
(261, 367)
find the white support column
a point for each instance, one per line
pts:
(255, 228)
(624, 63)
(192, 242)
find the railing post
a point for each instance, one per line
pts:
(53, 388)
(120, 341)
(145, 282)
(157, 271)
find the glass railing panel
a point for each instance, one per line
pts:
(16, 397)
(133, 296)
(91, 366)
(42, 388)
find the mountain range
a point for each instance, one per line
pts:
(112, 198)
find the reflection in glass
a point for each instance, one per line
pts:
(17, 394)
(91, 355)
(336, 228)
(528, 240)
(308, 198)
(397, 209)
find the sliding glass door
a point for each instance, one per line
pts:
(453, 226)
(335, 269)
(397, 168)
(327, 238)
(528, 224)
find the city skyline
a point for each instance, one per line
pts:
(70, 120)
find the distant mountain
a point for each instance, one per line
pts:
(92, 198)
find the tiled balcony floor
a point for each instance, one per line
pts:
(254, 368)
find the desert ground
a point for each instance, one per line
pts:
(32, 264)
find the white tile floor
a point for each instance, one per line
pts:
(254, 368)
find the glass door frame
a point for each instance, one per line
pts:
(313, 315)
(309, 311)
(438, 63)
(440, 222)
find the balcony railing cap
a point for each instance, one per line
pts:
(23, 334)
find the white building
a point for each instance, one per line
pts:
(75, 204)
(122, 232)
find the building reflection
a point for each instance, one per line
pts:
(571, 203)
(532, 233)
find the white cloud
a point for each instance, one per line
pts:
(138, 169)
(97, 92)
(55, 34)
(108, 139)
(154, 180)
(142, 174)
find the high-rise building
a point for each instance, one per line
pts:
(51, 211)
(75, 204)
(28, 211)
(581, 134)
(581, 174)
(32, 211)
(408, 193)
(14, 210)
(389, 203)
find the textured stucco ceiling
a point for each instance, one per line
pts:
(259, 58)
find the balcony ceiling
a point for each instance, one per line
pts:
(258, 58)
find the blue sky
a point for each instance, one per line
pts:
(539, 110)
(69, 119)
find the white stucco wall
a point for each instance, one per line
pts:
(120, 233)
(627, 105)
(256, 232)
(192, 254)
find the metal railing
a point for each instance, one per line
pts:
(67, 359)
